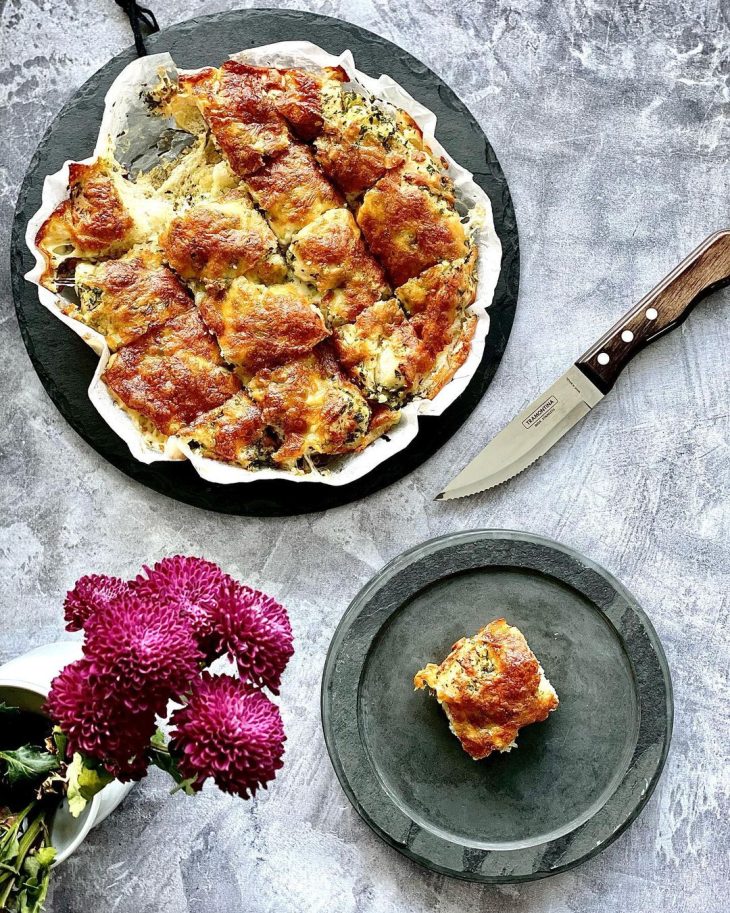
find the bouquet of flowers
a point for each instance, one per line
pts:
(148, 646)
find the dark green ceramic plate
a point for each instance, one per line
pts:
(575, 782)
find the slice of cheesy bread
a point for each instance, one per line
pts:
(233, 433)
(261, 326)
(171, 375)
(292, 191)
(381, 351)
(311, 407)
(409, 221)
(437, 302)
(329, 253)
(221, 241)
(104, 216)
(490, 686)
(123, 299)
(234, 102)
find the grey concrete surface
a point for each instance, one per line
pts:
(610, 118)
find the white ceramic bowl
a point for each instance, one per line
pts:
(24, 683)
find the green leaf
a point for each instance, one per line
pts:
(45, 856)
(27, 857)
(85, 779)
(28, 763)
(159, 740)
(9, 844)
(36, 878)
(7, 710)
(31, 867)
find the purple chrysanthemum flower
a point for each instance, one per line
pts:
(230, 732)
(254, 630)
(192, 584)
(98, 724)
(89, 594)
(147, 649)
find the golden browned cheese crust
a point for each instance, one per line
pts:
(382, 352)
(124, 299)
(259, 326)
(92, 222)
(329, 254)
(234, 432)
(236, 104)
(490, 686)
(355, 164)
(436, 302)
(292, 191)
(221, 241)
(382, 420)
(301, 101)
(409, 221)
(172, 374)
(358, 142)
(311, 407)
(361, 140)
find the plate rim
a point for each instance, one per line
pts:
(437, 544)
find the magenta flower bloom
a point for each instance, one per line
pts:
(148, 650)
(192, 584)
(89, 594)
(230, 732)
(254, 630)
(99, 725)
(145, 644)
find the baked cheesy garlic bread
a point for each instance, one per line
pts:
(490, 686)
(276, 293)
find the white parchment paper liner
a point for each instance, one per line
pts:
(125, 123)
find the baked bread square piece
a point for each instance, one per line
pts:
(355, 146)
(222, 240)
(437, 303)
(330, 254)
(381, 352)
(93, 222)
(490, 686)
(311, 407)
(236, 104)
(234, 433)
(259, 326)
(303, 98)
(171, 375)
(124, 299)
(409, 220)
(362, 139)
(292, 191)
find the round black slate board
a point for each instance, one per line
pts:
(65, 364)
(575, 781)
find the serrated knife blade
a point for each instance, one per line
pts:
(528, 436)
(572, 396)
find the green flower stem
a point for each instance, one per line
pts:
(16, 850)
(9, 847)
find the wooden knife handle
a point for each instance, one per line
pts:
(663, 309)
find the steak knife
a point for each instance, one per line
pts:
(534, 431)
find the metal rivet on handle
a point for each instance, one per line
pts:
(627, 336)
(604, 358)
(652, 314)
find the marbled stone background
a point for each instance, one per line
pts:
(610, 118)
